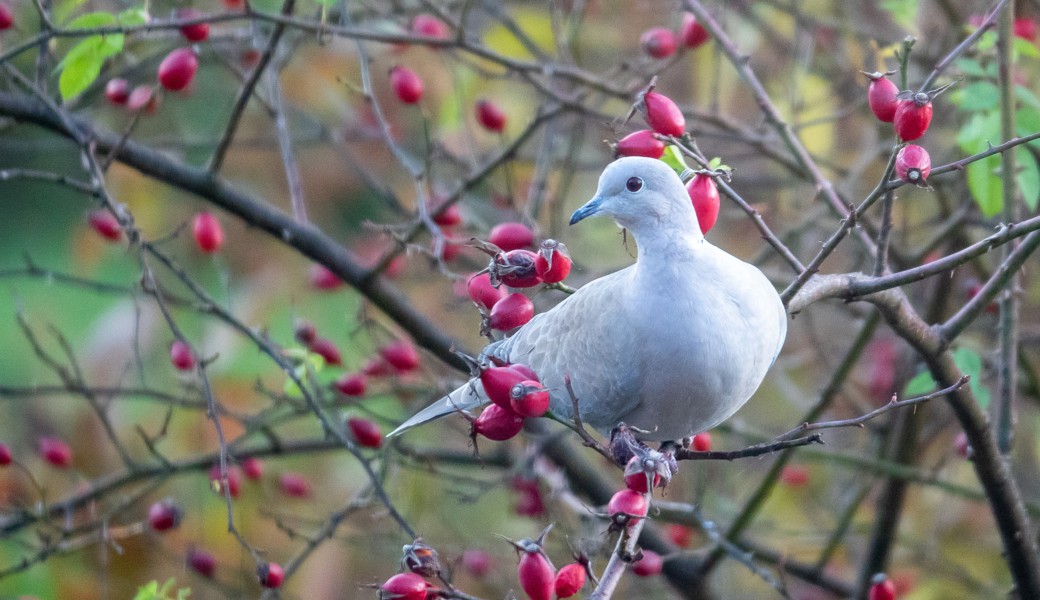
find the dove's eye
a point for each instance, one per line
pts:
(634, 184)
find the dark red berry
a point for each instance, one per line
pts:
(5, 455)
(569, 580)
(511, 236)
(962, 446)
(498, 384)
(641, 474)
(164, 515)
(913, 164)
(271, 575)
(352, 384)
(529, 399)
(376, 367)
(658, 42)
(663, 115)
(117, 91)
(322, 278)
(326, 349)
(497, 424)
(404, 586)
(209, 234)
(649, 565)
(6, 17)
(406, 84)
(680, 535)
(56, 452)
(193, 33)
(428, 25)
(482, 293)
(536, 573)
(913, 115)
(181, 356)
(553, 263)
(178, 69)
(234, 480)
(627, 504)
(640, 143)
(106, 225)
(142, 98)
(515, 268)
(305, 333)
(294, 485)
(702, 442)
(253, 468)
(202, 562)
(490, 116)
(365, 433)
(692, 33)
(881, 96)
(449, 217)
(529, 503)
(511, 312)
(882, 588)
(704, 194)
(421, 558)
(401, 355)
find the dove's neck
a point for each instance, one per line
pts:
(663, 246)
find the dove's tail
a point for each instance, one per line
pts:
(470, 395)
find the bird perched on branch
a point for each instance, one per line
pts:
(671, 346)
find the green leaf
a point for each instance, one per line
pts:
(971, 67)
(133, 17)
(1026, 96)
(1027, 122)
(92, 21)
(970, 363)
(80, 68)
(981, 128)
(1024, 48)
(903, 12)
(673, 157)
(981, 95)
(985, 186)
(921, 384)
(148, 591)
(1027, 177)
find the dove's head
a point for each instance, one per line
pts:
(642, 195)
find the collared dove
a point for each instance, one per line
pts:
(672, 345)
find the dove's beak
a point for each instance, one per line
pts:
(591, 207)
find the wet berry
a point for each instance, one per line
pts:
(641, 474)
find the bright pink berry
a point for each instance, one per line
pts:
(209, 234)
(365, 433)
(352, 384)
(913, 164)
(704, 194)
(536, 573)
(881, 96)
(234, 480)
(404, 586)
(663, 115)
(1026, 28)
(913, 115)
(428, 25)
(627, 503)
(641, 474)
(294, 485)
(511, 312)
(511, 236)
(326, 349)
(271, 575)
(649, 565)
(680, 535)
(794, 476)
(181, 356)
(178, 69)
(193, 33)
(253, 468)
(516, 268)
(482, 293)
(322, 278)
(553, 263)
(692, 33)
(106, 225)
(406, 84)
(142, 98)
(202, 562)
(529, 399)
(524, 370)
(490, 116)
(476, 562)
(498, 384)
(164, 515)
(702, 442)
(6, 17)
(56, 452)
(658, 42)
(882, 588)
(449, 217)
(497, 424)
(640, 143)
(401, 355)
(569, 580)
(5, 455)
(117, 91)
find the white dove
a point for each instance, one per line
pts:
(672, 345)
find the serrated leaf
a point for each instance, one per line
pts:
(92, 21)
(985, 186)
(81, 70)
(981, 95)
(673, 157)
(1027, 177)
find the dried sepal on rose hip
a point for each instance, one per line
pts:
(498, 383)
(529, 399)
(913, 165)
(535, 571)
(913, 116)
(882, 588)
(420, 558)
(553, 263)
(516, 268)
(643, 473)
(882, 95)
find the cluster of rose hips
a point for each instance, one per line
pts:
(660, 42)
(910, 114)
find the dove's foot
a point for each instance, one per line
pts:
(637, 457)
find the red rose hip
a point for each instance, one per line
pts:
(106, 225)
(181, 356)
(511, 236)
(658, 42)
(197, 32)
(6, 17)
(511, 312)
(407, 85)
(882, 588)
(352, 384)
(427, 25)
(515, 268)
(404, 586)
(913, 164)
(692, 33)
(55, 452)
(569, 580)
(482, 293)
(365, 433)
(704, 195)
(5, 455)
(702, 442)
(490, 116)
(498, 384)
(401, 355)
(640, 143)
(164, 515)
(553, 263)
(529, 399)
(663, 115)
(271, 575)
(649, 565)
(178, 69)
(202, 562)
(913, 115)
(117, 91)
(497, 424)
(208, 232)
(881, 96)
(536, 574)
